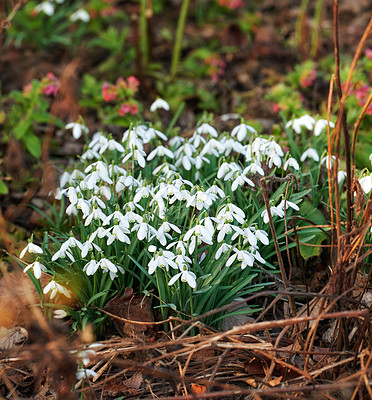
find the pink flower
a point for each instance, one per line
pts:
(308, 79)
(109, 92)
(368, 53)
(134, 109)
(231, 4)
(133, 83)
(124, 109)
(50, 85)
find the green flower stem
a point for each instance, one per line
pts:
(178, 43)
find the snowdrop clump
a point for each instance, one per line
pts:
(184, 217)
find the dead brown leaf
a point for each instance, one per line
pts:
(119, 386)
(133, 308)
(197, 389)
(11, 337)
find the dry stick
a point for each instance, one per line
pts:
(356, 127)
(277, 249)
(342, 117)
(362, 376)
(330, 195)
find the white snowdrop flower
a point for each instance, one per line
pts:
(328, 160)
(231, 212)
(32, 249)
(365, 183)
(186, 161)
(261, 235)
(320, 125)
(215, 190)
(97, 201)
(159, 104)
(230, 145)
(160, 151)
(310, 153)
(91, 267)
(164, 168)
(197, 139)
(185, 276)
(162, 235)
(207, 130)
(117, 216)
(99, 232)
(176, 141)
(181, 247)
(187, 148)
(257, 255)
(112, 145)
(133, 217)
(247, 234)
(254, 168)
(71, 193)
(200, 200)
(89, 246)
(82, 373)
(59, 314)
(224, 248)
(131, 138)
(144, 230)
(80, 15)
(107, 264)
(95, 214)
(138, 155)
(77, 129)
(274, 211)
(115, 169)
(243, 256)
(98, 140)
(84, 206)
(305, 121)
(201, 232)
(241, 131)
(161, 259)
(90, 155)
(287, 205)
(199, 160)
(62, 253)
(240, 179)
(291, 162)
(105, 192)
(341, 175)
(213, 147)
(224, 229)
(55, 288)
(125, 181)
(152, 133)
(71, 242)
(227, 170)
(37, 268)
(143, 192)
(46, 7)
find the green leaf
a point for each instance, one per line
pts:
(33, 145)
(3, 188)
(21, 129)
(308, 211)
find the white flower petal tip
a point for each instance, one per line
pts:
(159, 104)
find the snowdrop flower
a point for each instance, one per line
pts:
(201, 232)
(59, 314)
(62, 253)
(125, 181)
(261, 235)
(200, 200)
(89, 246)
(107, 265)
(186, 276)
(230, 145)
(82, 373)
(81, 15)
(91, 267)
(310, 153)
(197, 139)
(199, 160)
(71, 242)
(247, 234)
(306, 120)
(291, 162)
(96, 214)
(231, 212)
(112, 145)
(37, 267)
(152, 133)
(328, 160)
(215, 190)
(288, 204)
(227, 170)
(224, 248)
(341, 175)
(162, 259)
(99, 232)
(224, 229)
(31, 248)
(240, 179)
(144, 230)
(207, 129)
(90, 155)
(241, 131)
(320, 125)
(365, 183)
(180, 247)
(160, 151)
(213, 147)
(55, 288)
(46, 7)
(254, 168)
(274, 211)
(77, 129)
(242, 256)
(159, 104)
(138, 155)
(177, 141)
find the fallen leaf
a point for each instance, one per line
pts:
(197, 389)
(118, 386)
(133, 308)
(11, 337)
(275, 381)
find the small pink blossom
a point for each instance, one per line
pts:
(231, 4)
(50, 85)
(133, 83)
(109, 92)
(368, 53)
(306, 80)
